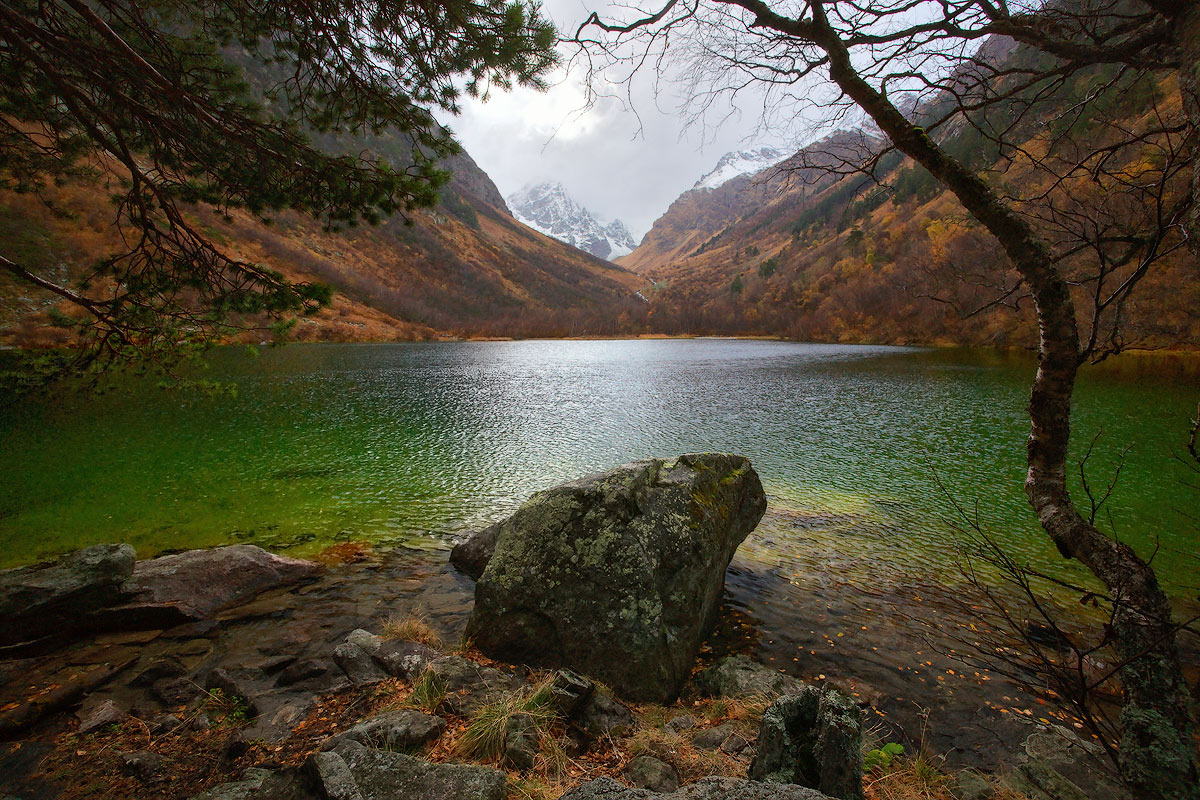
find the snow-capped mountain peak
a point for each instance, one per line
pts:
(741, 162)
(547, 208)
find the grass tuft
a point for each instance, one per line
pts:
(427, 693)
(488, 728)
(413, 627)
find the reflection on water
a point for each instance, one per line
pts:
(417, 443)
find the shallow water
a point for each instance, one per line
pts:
(859, 447)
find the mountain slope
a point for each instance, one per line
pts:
(807, 253)
(465, 267)
(698, 216)
(547, 208)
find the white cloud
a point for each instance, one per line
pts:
(620, 159)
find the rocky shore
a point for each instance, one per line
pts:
(234, 673)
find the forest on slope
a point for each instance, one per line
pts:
(807, 250)
(815, 251)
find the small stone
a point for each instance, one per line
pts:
(603, 715)
(568, 690)
(301, 671)
(648, 772)
(98, 712)
(680, 723)
(369, 642)
(142, 764)
(735, 744)
(712, 738)
(237, 790)
(358, 665)
(970, 785)
(740, 676)
(470, 556)
(381, 774)
(234, 747)
(405, 660)
(176, 691)
(233, 687)
(396, 730)
(333, 775)
(520, 742)
(165, 723)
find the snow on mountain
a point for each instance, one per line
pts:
(547, 208)
(741, 162)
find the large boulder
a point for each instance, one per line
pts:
(812, 738)
(619, 574)
(48, 601)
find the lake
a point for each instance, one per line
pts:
(859, 447)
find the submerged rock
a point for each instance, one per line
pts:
(813, 739)
(618, 575)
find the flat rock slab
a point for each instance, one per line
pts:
(199, 583)
(395, 730)
(704, 789)
(355, 772)
(618, 575)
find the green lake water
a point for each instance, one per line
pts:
(417, 443)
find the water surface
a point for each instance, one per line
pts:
(859, 447)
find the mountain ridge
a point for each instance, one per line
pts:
(548, 208)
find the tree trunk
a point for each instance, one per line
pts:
(1157, 751)
(1187, 37)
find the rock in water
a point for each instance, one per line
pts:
(618, 575)
(471, 555)
(198, 583)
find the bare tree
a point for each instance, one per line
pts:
(881, 57)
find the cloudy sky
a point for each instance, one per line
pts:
(618, 161)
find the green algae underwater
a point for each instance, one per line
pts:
(860, 448)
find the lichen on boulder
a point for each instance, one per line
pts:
(618, 575)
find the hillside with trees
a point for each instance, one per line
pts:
(464, 267)
(815, 251)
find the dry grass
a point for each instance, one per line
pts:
(918, 778)
(488, 727)
(413, 627)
